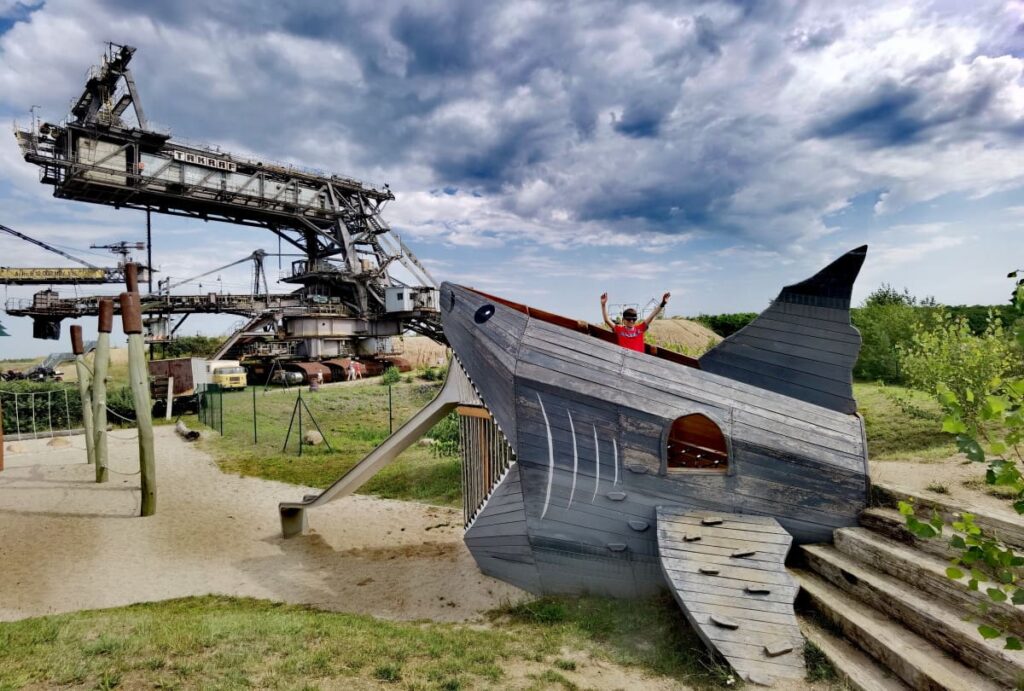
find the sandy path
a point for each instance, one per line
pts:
(67, 543)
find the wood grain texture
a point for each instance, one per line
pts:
(553, 389)
(751, 631)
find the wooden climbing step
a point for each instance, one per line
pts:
(728, 573)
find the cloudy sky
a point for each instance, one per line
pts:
(548, 151)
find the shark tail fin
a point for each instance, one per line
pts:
(803, 345)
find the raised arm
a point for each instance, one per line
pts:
(604, 311)
(654, 314)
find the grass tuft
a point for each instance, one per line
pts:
(819, 667)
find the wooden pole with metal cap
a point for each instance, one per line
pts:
(138, 373)
(84, 390)
(101, 361)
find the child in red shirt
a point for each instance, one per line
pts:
(631, 334)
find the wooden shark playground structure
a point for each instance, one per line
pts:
(589, 468)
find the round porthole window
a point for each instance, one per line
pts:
(483, 314)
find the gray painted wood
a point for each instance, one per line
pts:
(711, 589)
(813, 360)
(796, 461)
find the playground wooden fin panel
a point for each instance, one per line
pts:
(739, 598)
(803, 345)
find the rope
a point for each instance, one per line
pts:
(111, 470)
(117, 414)
(114, 436)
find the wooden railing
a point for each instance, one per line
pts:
(486, 456)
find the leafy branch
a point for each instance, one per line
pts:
(988, 422)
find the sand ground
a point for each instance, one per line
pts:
(67, 543)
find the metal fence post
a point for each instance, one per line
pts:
(255, 439)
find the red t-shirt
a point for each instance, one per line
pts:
(631, 337)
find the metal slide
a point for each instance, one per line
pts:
(457, 390)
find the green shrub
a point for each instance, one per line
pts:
(54, 406)
(190, 346)
(886, 323)
(725, 325)
(446, 436)
(433, 373)
(951, 356)
(391, 376)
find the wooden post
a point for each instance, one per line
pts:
(138, 373)
(170, 398)
(84, 390)
(99, 386)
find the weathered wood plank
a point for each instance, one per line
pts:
(754, 624)
(796, 342)
(788, 323)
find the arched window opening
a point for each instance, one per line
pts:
(696, 443)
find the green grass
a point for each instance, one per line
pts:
(354, 419)
(229, 643)
(902, 424)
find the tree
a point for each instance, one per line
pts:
(989, 426)
(886, 321)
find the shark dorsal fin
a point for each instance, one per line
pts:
(803, 345)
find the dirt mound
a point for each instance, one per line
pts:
(682, 335)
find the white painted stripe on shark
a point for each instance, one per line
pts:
(551, 458)
(615, 451)
(575, 458)
(597, 465)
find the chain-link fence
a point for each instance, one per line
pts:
(211, 407)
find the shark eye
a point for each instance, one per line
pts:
(483, 314)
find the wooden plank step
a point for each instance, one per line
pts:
(927, 573)
(1003, 525)
(916, 661)
(739, 599)
(860, 672)
(930, 618)
(893, 525)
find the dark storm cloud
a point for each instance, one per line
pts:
(675, 116)
(919, 108)
(884, 118)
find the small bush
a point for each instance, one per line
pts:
(433, 373)
(446, 436)
(952, 356)
(391, 376)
